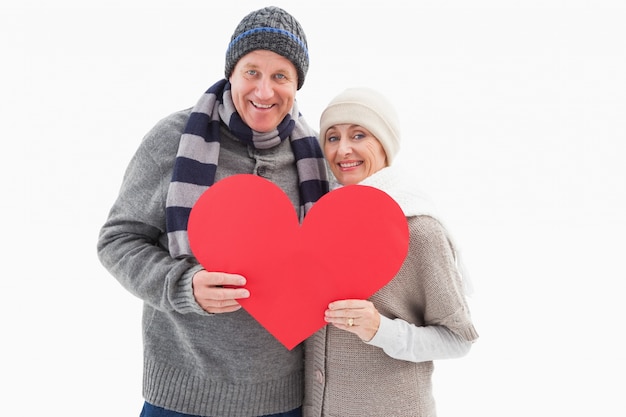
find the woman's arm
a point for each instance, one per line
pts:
(402, 340)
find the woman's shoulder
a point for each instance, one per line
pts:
(426, 228)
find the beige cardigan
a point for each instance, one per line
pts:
(346, 377)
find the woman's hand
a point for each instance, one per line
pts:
(356, 316)
(217, 292)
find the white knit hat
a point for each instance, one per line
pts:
(368, 108)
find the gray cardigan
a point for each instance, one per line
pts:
(349, 378)
(195, 362)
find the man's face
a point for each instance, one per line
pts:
(263, 87)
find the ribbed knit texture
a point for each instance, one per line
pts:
(171, 386)
(272, 29)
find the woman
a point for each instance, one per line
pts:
(376, 357)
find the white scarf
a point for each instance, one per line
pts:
(393, 181)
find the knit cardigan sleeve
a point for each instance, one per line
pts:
(424, 312)
(132, 243)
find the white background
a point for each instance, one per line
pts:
(513, 120)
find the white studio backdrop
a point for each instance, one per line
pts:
(513, 120)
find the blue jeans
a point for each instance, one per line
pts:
(150, 410)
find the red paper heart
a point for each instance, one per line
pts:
(351, 243)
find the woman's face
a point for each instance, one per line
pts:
(263, 86)
(353, 153)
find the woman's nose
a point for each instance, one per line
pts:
(344, 148)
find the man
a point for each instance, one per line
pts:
(203, 354)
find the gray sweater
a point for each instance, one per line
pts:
(195, 362)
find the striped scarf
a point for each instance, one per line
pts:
(199, 148)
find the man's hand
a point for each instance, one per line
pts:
(217, 292)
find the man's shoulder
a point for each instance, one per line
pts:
(165, 135)
(174, 122)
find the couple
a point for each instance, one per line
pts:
(203, 354)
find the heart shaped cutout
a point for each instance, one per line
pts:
(351, 243)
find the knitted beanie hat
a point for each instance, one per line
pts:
(273, 29)
(368, 108)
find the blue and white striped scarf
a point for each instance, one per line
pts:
(198, 152)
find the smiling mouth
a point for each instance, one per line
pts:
(349, 164)
(261, 106)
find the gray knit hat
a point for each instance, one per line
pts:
(368, 108)
(273, 29)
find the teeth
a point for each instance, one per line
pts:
(349, 164)
(262, 106)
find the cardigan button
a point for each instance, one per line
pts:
(319, 376)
